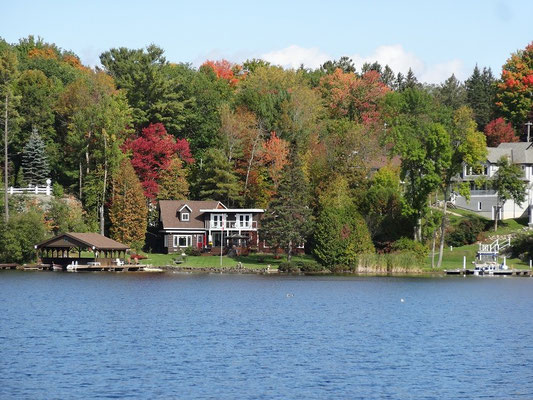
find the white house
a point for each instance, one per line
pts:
(483, 200)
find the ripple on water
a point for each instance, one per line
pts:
(225, 337)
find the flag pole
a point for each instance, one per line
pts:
(222, 238)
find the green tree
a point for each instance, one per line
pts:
(65, 215)
(216, 179)
(173, 183)
(467, 146)
(34, 160)
(19, 235)
(340, 233)
(424, 146)
(152, 92)
(480, 95)
(509, 185)
(128, 212)
(287, 222)
(451, 93)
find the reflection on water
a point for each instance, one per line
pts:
(104, 335)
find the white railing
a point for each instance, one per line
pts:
(47, 190)
(495, 246)
(231, 225)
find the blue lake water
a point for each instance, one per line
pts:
(105, 335)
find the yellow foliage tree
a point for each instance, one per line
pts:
(128, 211)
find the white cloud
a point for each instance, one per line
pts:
(401, 60)
(395, 56)
(294, 56)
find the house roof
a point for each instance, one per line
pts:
(169, 212)
(518, 153)
(84, 240)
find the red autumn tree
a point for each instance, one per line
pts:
(514, 98)
(226, 70)
(274, 155)
(152, 153)
(353, 97)
(498, 131)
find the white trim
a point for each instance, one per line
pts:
(185, 232)
(185, 205)
(176, 241)
(182, 216)
(234, 210)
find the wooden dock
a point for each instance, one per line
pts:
(499, 272)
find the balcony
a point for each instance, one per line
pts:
(233, 225)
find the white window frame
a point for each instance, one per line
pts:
(246, 221)
(185, 216)
(217, 220)
(176, 241)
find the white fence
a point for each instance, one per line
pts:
(47, 190)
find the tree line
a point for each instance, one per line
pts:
(343, 160)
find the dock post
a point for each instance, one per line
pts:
(464, 262)
(530, 263)
(504, 261)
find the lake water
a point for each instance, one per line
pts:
(104, 335)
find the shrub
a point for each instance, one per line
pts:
(466, 232)
(340, 235)
(406, 245)
(522, 246)
(193, 251)
(300, 266)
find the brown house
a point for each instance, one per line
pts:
(207, 225)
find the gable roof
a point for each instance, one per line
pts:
(169, 210)
(84, 240)
(518, 152)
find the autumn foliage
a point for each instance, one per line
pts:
(152, 153)
(353, 97)
(225, 70)
(498, 131)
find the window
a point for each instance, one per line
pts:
(479, 205)
(184, 216)
(244, 220)
(216, 221)
(182, 241)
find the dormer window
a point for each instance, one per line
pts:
(185, 213)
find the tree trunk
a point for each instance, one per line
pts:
(103, 188)
(81, 181)
(6, 197)
(433, 249)
(289, 252)
(251, 160)
(443, 227)
(496, 214)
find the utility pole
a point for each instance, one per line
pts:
(528, 124)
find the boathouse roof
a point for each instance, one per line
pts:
(90, 240)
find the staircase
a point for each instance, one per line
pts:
(491, 251)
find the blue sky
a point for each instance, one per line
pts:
(434, 38)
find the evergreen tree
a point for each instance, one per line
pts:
(173, 183)
(34, 160)
(387, 77)
(216, 180)
(128, 211)
(410, 80)
(452, 93)
(480, 95)
(287, 222)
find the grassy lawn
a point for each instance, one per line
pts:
(254, 261)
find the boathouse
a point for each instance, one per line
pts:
(81, 248)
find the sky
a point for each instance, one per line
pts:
(434, 38)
